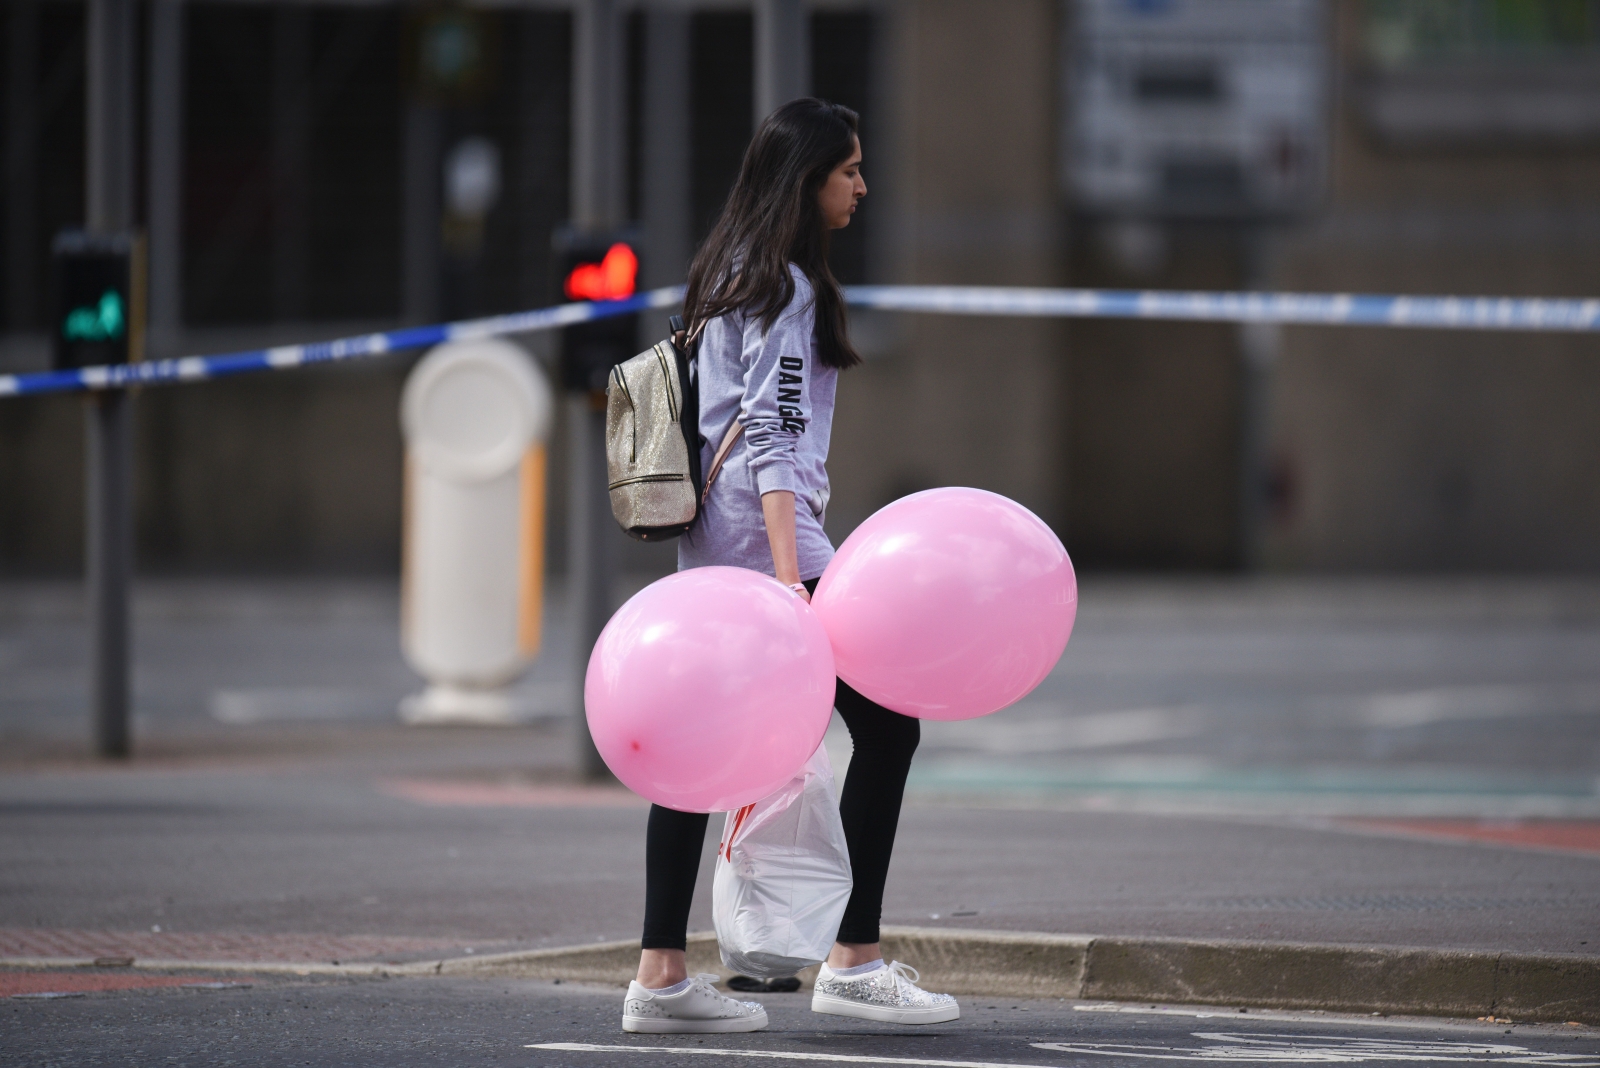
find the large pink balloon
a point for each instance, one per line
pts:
(948, 604)
(709, 689)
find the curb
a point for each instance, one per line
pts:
(1397, 980)
(257, 967)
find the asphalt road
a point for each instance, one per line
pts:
(433, 1022)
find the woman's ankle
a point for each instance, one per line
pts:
(853, 954)
(659, 968)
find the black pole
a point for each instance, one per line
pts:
(1258, 350)
(110, 560)
(589, 560)
(109, 209)
(598, 204)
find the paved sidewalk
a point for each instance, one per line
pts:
(1316, 696)
(353, 848)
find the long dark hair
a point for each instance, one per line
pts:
(772, 219)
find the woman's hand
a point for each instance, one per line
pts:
(777, 510)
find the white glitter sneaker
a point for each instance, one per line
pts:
(889, 994)
(697, 1009)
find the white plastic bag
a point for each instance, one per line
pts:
(783, 877)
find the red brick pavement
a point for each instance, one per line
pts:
(14, 983)
(39, 942)
(1579, 836)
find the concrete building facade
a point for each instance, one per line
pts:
(1471, 166)
(1467, 166)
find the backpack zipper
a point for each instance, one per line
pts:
(622, 383)
(646, 478)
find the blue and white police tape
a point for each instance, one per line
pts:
(1317, 309)
(196, 368)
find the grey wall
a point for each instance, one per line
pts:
(1426, 450)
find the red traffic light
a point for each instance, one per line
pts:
(613, 278)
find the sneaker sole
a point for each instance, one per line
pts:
(836, 1006)
(722, 1025)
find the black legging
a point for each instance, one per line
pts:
(869, 806)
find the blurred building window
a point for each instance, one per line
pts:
(1411, 31)
(1481, 71)
(1194, 109)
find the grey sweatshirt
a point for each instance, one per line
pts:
(783, 395)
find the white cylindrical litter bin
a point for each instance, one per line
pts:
(476, 415)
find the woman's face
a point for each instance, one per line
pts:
(841, 191)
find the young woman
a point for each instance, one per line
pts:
(770, 355)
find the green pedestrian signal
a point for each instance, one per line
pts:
(103, 322)
(98, 299)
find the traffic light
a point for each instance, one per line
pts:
(97, 299)
(612, 278)
(594, 266)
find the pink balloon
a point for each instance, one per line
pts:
(948, 604)
(709, 689)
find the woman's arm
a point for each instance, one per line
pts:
(776, 407)
(777, 509)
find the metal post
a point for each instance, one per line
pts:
(291, 152)
(109, 187)
(666, 146)
(164, 214)
(598, 130)
(783, 54)
(21, 157)
(598, 203)
(420, 208)
(1259, 344)
(589, 562)
(110, 560)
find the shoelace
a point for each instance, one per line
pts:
(904, 972)
(709, 980)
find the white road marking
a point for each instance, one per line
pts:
(1232, 1048)
(1299, 1049)
(1325, 1019)
(777, 1055)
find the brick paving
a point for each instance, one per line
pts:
(59, 943)
(1572, 836)
(23, 984)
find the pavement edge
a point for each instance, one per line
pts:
(1401, 980)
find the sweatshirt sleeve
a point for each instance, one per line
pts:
(777, 389)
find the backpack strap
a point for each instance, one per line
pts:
(723, 450)
(684, 339)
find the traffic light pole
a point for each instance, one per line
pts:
(598, 203)
(109, 566)
(782, 54)
(588, 559)
(109, 534)
(1259, 344)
